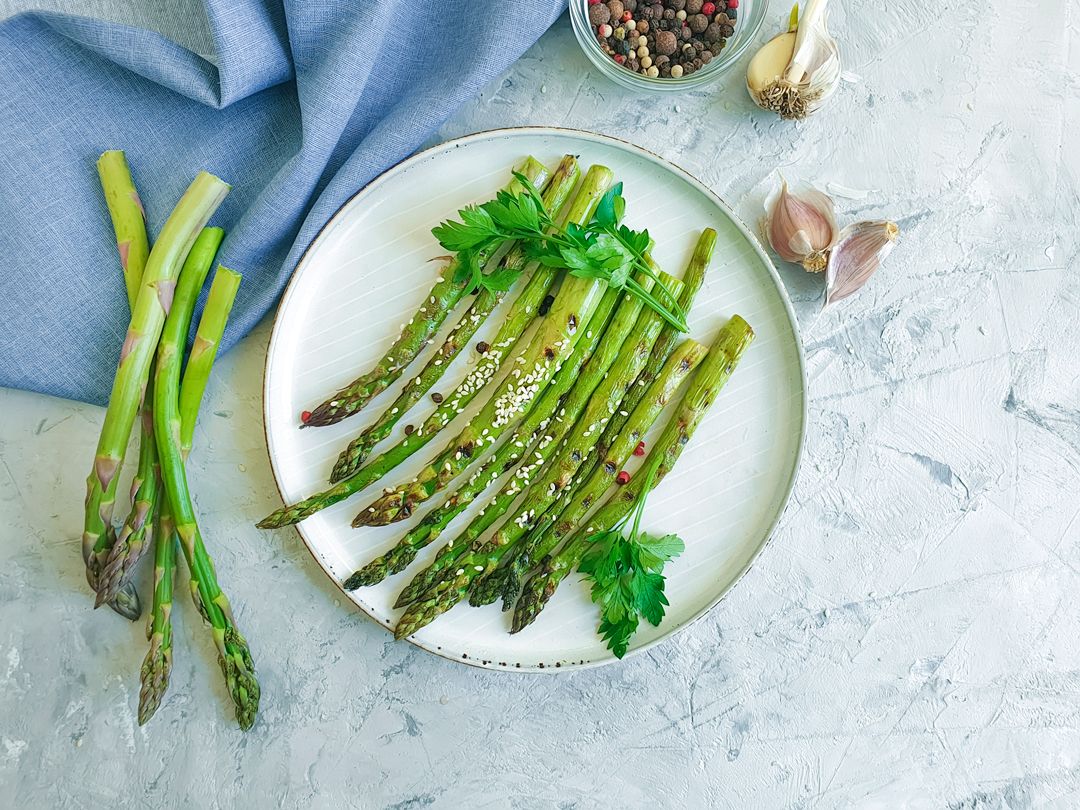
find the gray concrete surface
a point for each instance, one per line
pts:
(910, 637)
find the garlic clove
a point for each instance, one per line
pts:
(801, 227)
(795, 73)
(770, 63)
(856, 256)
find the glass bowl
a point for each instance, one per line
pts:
(751, 15)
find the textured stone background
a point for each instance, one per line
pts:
(909, 638)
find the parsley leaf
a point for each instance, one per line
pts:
(604, 249)
(500, 280)
(608, 211)
(653, 552)
(627, 573)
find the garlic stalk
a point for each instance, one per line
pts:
(801, 227)
(856, 255)
(794, 73)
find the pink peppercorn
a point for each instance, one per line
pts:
(620, 58)
(708, 8)
(305, 416)
(604, 30)
(623, 478)
(627, 16)
(594, 2)
(732, 3)
(640, 449)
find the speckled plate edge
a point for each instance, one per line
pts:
(774, 276)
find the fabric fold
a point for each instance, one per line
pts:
(300, 105)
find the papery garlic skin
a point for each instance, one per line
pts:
(857, 255)
(809, 77)
(801, 227)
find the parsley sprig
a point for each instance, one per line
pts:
(604, 249)
(627, 573)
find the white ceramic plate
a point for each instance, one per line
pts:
(367, 272)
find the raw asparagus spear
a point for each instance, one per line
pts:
(155, 293)
(508, 454)
(204, 350)
(714, 373)
(129, 225)
(451, 590)
(125, 553)
(520, 316)
(512, 572)
(352, 457)
(157, 664)
(233, 653)
(128, 218)
(443, 297)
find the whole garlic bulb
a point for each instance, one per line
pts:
(794, 73)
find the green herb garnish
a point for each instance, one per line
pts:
(604, 249)
(627, 574)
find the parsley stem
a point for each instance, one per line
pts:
(642, 264)
(647, 297)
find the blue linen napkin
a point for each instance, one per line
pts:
(299, 106)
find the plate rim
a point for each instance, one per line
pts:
(774, 276)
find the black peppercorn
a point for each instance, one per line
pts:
(436, 397)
